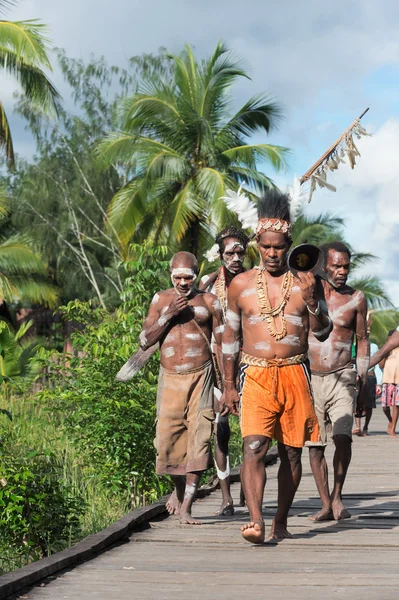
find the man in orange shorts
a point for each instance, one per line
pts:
(272, 312)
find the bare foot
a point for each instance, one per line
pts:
(254, 532)
(325, 514)
(357, 432)
(186, 519)
(365, 432)
(390, 431)
(173, 505)
(278, 533)
(339, 511)
(226, 510)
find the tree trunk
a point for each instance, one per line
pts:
(193, 237)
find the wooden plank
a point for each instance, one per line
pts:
(353, 558)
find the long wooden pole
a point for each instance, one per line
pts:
(330, 150)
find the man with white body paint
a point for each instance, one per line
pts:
(230, 246)
(333, 377)
(271, 312)
(182, 319)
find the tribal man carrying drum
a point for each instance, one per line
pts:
(231, 245)
(272, 312)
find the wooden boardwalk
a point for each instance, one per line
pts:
(354, 559)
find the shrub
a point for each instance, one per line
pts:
(112, 423)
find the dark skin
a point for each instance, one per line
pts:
(232, 258)
(243, 322)
(170, 321)
(348, 311)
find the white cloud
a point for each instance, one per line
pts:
(367, 198)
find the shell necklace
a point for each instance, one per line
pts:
(267, 312)
(221, 293)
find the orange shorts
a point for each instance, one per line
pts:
(277, 402)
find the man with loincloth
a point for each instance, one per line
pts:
(271, 312)
(182, 319)
(333, 377)
(231, 247)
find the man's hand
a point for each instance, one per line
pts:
(177, 306)
(229, 402)
(307, 284)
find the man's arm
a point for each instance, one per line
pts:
(391, 343)
(231, 349)
(156, 324)
(363, 345)
(319, 322)
(217, 328)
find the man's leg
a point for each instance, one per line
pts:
(222, 438)
(387, 412)
(176, 498)
(289, 477)
(392, 426)
(369, 412)
(342, 459)
(253, 479)
(192, 483)
(319, 468)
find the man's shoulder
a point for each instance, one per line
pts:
(209, 278)
(242, 279)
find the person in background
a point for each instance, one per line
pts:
(390, 387)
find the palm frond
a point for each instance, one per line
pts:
(126, 210)
(373, 290)
(5, 135)
(249, 154)
(27, 40)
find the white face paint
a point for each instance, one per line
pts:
(233, 320)
(191, 352)
(155, 299)
(262, 346)
(168, 352)
(233, 257)
(231, 349)
(183, 280)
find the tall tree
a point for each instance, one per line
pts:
(60, 197)
(184, 147)
(24, 55)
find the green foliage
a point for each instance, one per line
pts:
(382, 321)
(23, 54)
(17, 356)
(184, 147)
(39, 513)
(111, 422)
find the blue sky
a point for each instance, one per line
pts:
(324, 62)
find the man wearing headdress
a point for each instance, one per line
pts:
(271, 312)
(230, 247)
(182, 319)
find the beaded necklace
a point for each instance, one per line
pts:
(267, 312)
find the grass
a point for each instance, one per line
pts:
(33, 427)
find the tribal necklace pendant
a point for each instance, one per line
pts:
(221, 291)
(267, 312)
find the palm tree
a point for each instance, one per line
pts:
(23, 274)
(23, 54)
(185, 148)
